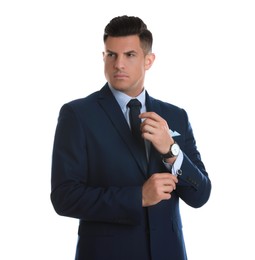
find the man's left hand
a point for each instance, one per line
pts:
(156, 130)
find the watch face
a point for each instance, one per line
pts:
(175, 149)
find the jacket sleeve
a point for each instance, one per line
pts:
(70, 193)
(194, 186)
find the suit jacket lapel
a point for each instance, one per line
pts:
(113, 111)
(153, 106)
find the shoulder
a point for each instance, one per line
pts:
(90, 101)
(166, 109)
(166, 105)
(84, 101)
(79, 108)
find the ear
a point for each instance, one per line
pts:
(149, 59)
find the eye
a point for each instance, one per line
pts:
(110, 54)
(131, 54)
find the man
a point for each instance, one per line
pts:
(125, 195)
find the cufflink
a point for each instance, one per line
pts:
(179, 172)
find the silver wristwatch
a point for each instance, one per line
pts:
(173, 151)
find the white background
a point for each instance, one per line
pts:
(50, 53)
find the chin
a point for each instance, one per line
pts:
(121, 86)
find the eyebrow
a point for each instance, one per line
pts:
(127, 52)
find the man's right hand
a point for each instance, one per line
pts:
(158, 187)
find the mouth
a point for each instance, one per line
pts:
(120, 75)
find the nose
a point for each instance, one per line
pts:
(119, 62)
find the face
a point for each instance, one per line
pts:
(125, 64)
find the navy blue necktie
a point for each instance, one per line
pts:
(135, 122)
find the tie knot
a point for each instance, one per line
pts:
(134, 103)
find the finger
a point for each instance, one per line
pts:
(149, 122)
(168, 189)
(164, 179)
(169, 184)
(166, 196)
(148, 129)
(166, 175)
(165, 184)
(152, 115)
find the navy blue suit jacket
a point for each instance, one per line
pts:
(97, 177)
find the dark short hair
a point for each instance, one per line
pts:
(130, 25)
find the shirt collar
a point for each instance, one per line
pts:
(123, 99)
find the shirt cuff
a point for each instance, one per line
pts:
(174, 168)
